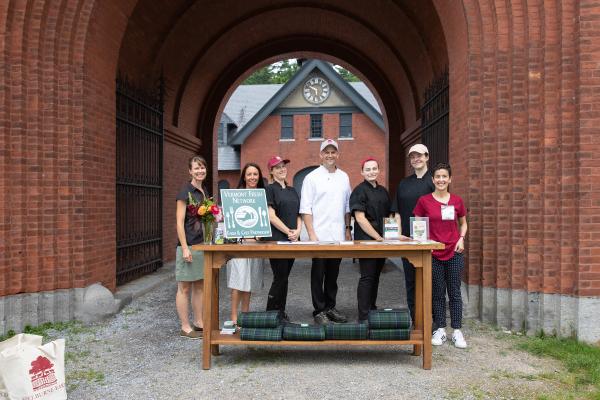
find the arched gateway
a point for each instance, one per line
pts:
(521, 124)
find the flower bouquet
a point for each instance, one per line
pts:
(207, 212)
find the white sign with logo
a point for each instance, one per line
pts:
(245, 213)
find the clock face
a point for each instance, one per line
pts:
(316, 90)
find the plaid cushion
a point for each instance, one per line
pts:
(389, 319)
(300, 332)
(264, 334)
(258, 319)
(389, 334)
(346, 331)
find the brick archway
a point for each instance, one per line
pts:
(522, 125)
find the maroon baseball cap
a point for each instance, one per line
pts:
(276, 160)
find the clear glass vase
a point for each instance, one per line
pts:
(208, 231)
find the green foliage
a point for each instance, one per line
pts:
(580, 359)
(283, 71)
(345, 74)
(71, 327)
(279, 72)
(259, 77)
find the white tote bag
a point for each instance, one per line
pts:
(33, 371)
(16, 341)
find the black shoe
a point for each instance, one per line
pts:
(336, 316)
(285, 319)
(321, 319)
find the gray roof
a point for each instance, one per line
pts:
(247, 100)
(366, 93)
(228, 158)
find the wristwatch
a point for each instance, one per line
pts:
(349, 227)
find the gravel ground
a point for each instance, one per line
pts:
(138, 355)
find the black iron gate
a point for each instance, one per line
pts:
(434, 119)
(139, 168)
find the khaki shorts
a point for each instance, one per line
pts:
(189, 272)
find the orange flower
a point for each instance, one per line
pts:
(202, 210)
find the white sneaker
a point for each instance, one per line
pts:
(458, 339)
(439, 337)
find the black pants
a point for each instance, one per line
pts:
(409, 280)
(368, 285)
(446, 277)
(279, 288)
(323, 283)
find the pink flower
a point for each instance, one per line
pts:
(214, 209)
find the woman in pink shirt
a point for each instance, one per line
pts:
(447, 224)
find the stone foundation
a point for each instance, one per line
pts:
(517, 310)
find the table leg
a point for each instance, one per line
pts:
(214, 348)
(419, 316)
(207, 307)
(427, 350)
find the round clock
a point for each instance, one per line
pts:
(316, 90)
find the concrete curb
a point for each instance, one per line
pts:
(139, 287)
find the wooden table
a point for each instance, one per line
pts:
(215, 256)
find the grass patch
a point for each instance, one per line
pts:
(87, 375)
(581, 360)
(68, 327)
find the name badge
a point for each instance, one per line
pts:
(447, 212)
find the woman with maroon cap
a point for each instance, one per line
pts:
(369, 204)
(284, 213)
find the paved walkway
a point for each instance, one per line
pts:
(138, 355)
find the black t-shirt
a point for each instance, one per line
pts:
(408, 192)
(374, 202)
(286, 203)
(192, 224)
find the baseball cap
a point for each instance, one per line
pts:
(276, 160)
(329, 142)
(418, 148)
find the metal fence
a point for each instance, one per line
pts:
(434, 119)
(139, 155)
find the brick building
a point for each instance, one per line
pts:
(292, 124)
(522, 130)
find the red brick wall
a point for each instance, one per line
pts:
(233, 177)
(368, 140)
(524, 115)
(588, 151)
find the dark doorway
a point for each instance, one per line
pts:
(434, 119)
(299, 177)
(139, 155)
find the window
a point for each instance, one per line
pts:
(220, 136)
(345, 125)
(316, 126)
(287, 127)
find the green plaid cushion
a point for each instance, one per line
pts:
(264, 334)
(258, 319)
(346, 331)
(389, 319)
(303, 332)
(389, 334)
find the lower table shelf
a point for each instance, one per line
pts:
(416, 337)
